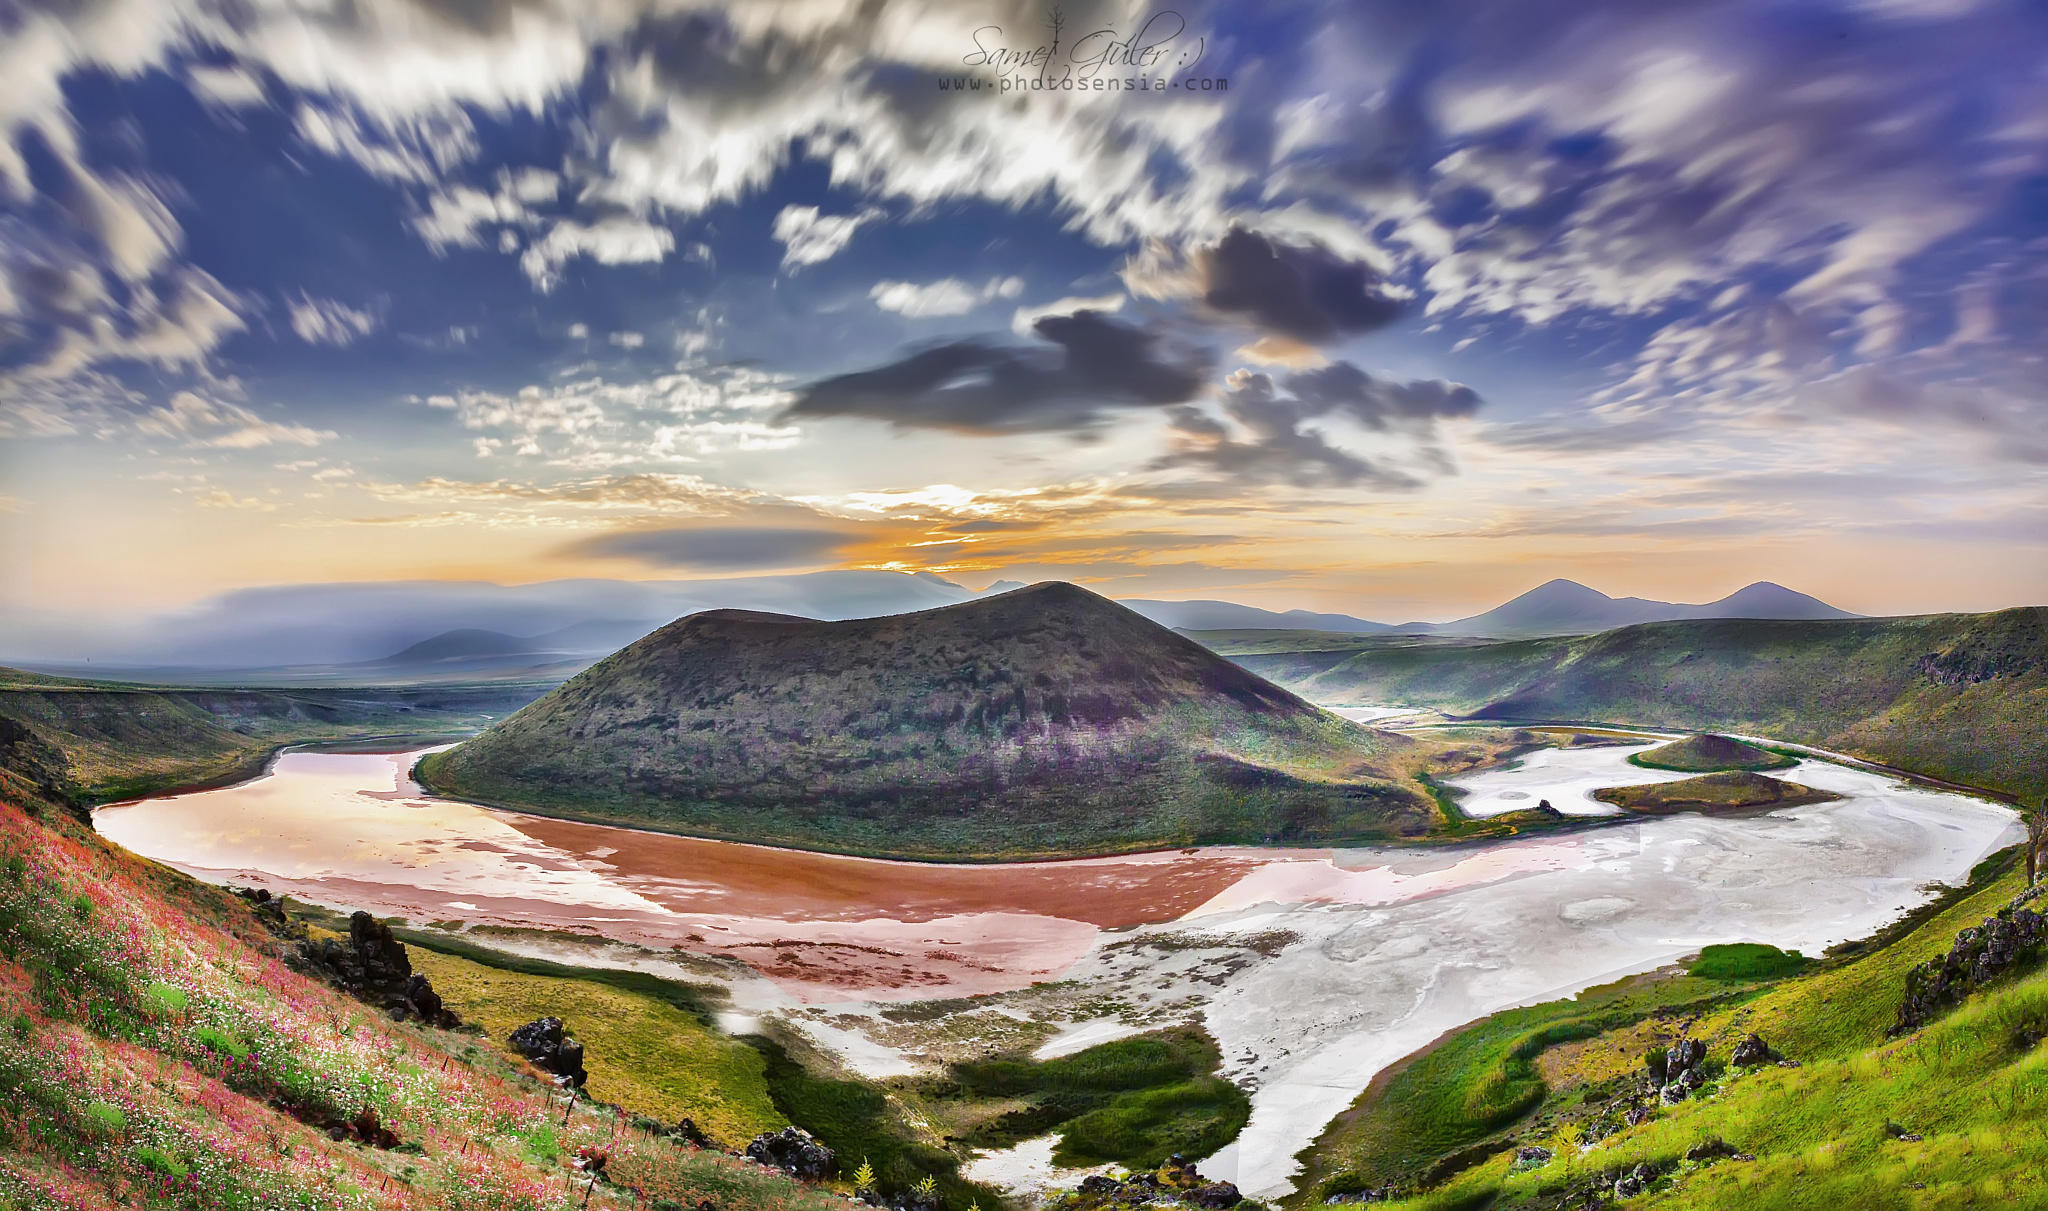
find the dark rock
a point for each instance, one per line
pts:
(1751, 1052)
(795, 1152)
(1709, 1150)
(1683, 1071)
(371, 965)
(545, 1042)
(1632, 1183)
(1532, 1155)
(1216, 1196)
(1098, 1186)
(2013, 940)
(686, 1132)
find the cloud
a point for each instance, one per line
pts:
(1085, 365)
(614, 240)
(199, 421)
(1302, 293)
(595, 421)
(809, 237)
(1266, 436)
(947, 296)
(327, 322)
(717, 548)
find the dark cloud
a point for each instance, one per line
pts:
(1278, 447)
(717, 548)
(1088, 364)
(1303, 292)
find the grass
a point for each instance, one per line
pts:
(1974, 1084)
(156, 1052)
(1706, 754)
(87, 742)
(1956, 697)
(642, 1048)
(1133, 1101)
(1712, 794)
(860, 1121)
(1450, 1103)
(1746, 961)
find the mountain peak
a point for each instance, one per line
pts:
(1046, 720)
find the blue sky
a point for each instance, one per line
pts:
(1425, 305)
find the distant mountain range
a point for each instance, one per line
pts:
(1566, 607)
(1046, 720)
(1560, 607)
(448, 629)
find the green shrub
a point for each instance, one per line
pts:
(167, 1000)
(159, 1161)
(220, 1042)
(103, 1118)
(1747, 961)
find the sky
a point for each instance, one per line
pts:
(1384, 308)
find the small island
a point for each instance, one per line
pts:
(1709, 753)
(1722, 794)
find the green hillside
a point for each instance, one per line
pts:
(1952, 696)
(1042, 721)
(1708, 753)
(1857, 1115)
(1730, 792)
(88, 742)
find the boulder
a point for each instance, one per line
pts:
(1532, 1156)
(1216, 1196)
(1710, 1150)
(795, 1152)
(686, 1132)
(1751, 1052)
(546, 1042)
(1633, 1182)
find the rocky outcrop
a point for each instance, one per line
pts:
(1175, 1182)
(371, 965)
(2011, 941)
(548, 1045)
(1532, 1157)
(794, 1151)
(1678, 1071)
(1633, 1182)
(1752, 1052)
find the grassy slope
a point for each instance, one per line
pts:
(151, 1043)
(642, 1051)
(98, 742)
(1134, 1101)
(1045, 721)
(1707, 754)
(1818, 1132)
(1712, 794)
(1952, 696)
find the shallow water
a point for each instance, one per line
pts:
(1314, 969)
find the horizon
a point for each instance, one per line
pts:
(410, 621)
(1419, 310)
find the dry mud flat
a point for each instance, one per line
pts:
(1313, 969)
